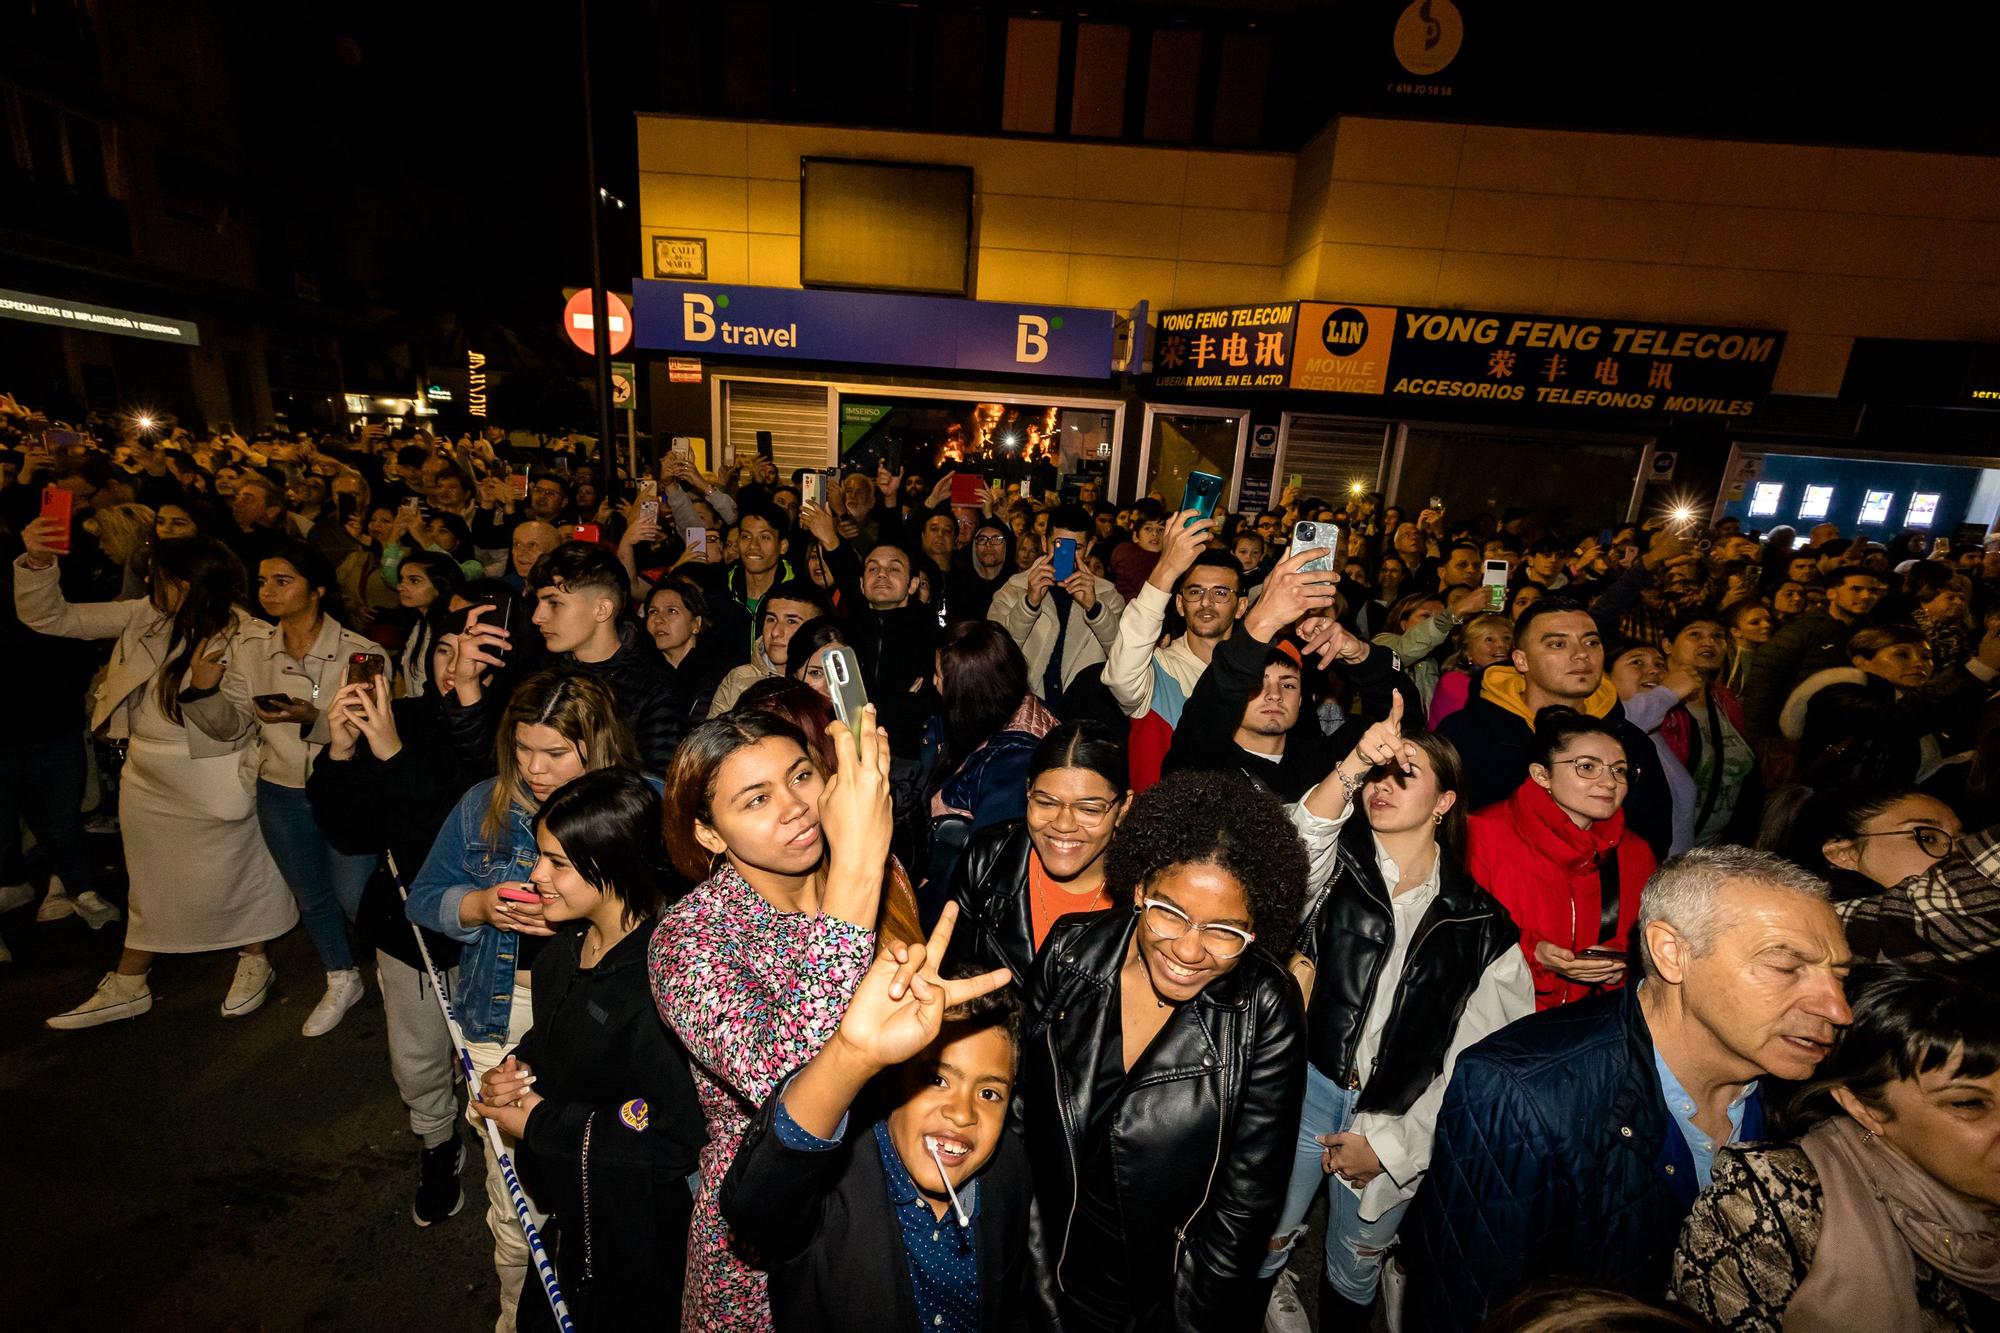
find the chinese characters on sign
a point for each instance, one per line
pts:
(1232, 347)
(1534, 361)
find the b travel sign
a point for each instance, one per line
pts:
(1550, 362)
(932, 332)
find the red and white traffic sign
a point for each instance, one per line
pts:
(580, 327)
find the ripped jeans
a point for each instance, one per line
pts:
(1354, 1248)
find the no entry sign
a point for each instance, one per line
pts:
(578, 325)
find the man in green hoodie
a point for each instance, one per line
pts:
(1558, 660)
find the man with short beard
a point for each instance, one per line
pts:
(1152, 683)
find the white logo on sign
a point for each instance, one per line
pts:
(697, 317)
(1031, 342)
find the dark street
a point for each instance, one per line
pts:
(193, 1172)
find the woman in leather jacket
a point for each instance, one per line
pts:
(1163, 1068)
(1017, 879)
(1406, 962)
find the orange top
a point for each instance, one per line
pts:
(1049, 901)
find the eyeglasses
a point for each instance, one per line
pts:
(1934, 841)
(1588, 769)
(1090, 814)
(1169, 922)
(1193, 593)
(989, 539)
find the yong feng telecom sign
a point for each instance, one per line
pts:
(1562, 363)
(940, 332)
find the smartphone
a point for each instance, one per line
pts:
(697, 541)
(682, 449)
(503, 610)
(1941, 546)
(844, 686)
(585, 532)
(649, 489)
(365, 668)
(57, 504)
(1437, 503)
(508, 893)
(1027, 488)
(812, 487)
(1063, 561)
(1602, 951)
(1202, 491)
(763, 444)
(1494, 580)
(53, 440)
(270, 700)
(967, 488)
(1295, 481)
(1322, 537)
(892, 455)
(649, 511)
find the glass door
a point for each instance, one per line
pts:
(1180, 440)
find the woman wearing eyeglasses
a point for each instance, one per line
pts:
(1557, 855)
(1163, 1067)
(1863, 840)
(1018, 878)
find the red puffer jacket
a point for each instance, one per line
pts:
(1545, 871)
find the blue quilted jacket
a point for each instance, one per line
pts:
(1555, 1158)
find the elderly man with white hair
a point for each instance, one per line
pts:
(1572, 1144)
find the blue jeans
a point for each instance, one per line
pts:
(1329, 1109)
(42, 782)
(327, 883)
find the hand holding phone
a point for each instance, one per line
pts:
(57, 506)
(1062, 563)
(845, 687)
(1322, 537)
(1494, 580)
(1201, 493)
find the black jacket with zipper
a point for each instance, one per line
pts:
(598, 1049)
(990, 886)
(823, 1224)
(1202, 1139)
(1347, 938)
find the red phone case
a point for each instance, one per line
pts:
(586, 532)
(58, 504)
(518, 895)
(967, 488)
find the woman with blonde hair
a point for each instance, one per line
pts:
(475, 888)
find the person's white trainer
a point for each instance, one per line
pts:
(57, 905)
(14, 896)
(343, 992)
(95, 911)
(1286, 1313)
(254, 975)
(117, 996)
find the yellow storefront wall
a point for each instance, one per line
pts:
(1828, 244)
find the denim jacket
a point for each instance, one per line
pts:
(464, 859)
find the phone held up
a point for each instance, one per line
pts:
(845, 688)
(1062, 561)
(366, 668)
(1201, 493)
(1321, 537)
(57, 505)
(1493, 578)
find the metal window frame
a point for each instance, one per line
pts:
(1156, 410)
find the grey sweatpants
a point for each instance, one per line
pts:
(420, 1054)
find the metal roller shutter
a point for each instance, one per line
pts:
(1332, 453)
(795, 414)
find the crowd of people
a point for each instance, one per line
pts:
(1601, 920)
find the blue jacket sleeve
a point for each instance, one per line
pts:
(1487, 1202)
(440, 886)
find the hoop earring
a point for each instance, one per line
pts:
(1437, 816)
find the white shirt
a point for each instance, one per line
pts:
(1505, 993)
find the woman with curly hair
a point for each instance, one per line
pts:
(1163, 1065)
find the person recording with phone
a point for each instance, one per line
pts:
(277, 686)
(474, 887)
(1063, 617)
(895, 634)
(1559, 858)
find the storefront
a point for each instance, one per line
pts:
(832, 378)
(1484, 410)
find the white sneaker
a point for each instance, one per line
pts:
(343, 992)
(13, 896)
(117, 996)
(254, 975)
(95, 911)
(57, 905)
(1285, 1314)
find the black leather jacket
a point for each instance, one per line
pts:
(1202, 1140)
(1347, 937)
(990, 887)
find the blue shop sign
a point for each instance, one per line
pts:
(942, 332)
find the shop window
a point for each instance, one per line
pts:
(1818, 499)
(1184, 442)
(1173, 79)
(885, 226)
(1040, 442)
(1923, 510)
(1028, 105)
(1875, 506)
(1765, 499)
(1097, 96)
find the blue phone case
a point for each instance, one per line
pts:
(1203, 490)
(1063, 562)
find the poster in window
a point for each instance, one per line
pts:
(1818, 500)
(1923, 510)
(1875, 506)
(1767, 498)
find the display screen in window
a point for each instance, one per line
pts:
(1923, 510)
(1764, 500)
(1875, 506)
(885, 226)
(1818, 500)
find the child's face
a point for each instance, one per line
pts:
(954, 1096)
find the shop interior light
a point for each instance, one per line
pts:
(143, 421)
(1354, 488)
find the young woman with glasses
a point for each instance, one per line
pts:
(1018, 878)
(1406, 961)
(1558, 857)
(1163, 1066)
(1863, 840)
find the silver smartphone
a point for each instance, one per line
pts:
(1322, 537)
(1494, 580)
(844, 687)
